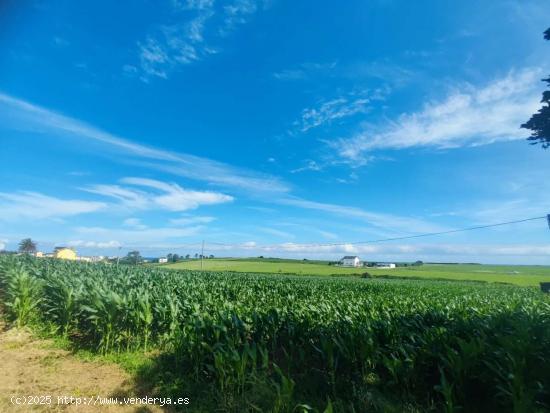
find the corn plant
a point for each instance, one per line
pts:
(22, 295)
(288, 344)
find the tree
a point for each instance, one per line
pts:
(27, 246)
(175, 258)
(211, 256)
(133, 257)
(539, 124)
(187, 256)
(196, 255)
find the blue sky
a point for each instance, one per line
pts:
(271, 126)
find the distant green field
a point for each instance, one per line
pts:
(513, 274)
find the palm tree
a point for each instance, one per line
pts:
(27, 246)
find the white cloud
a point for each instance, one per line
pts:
(153, 57)
(177, 44)
(183, 43)
(195, 4)
(276, 232)
(387, 222)
(60, 41)
(175, 198)
(290, 74)
(381, 69)
(327, 235)
(304, 71)
(95, 244)
(21, 115)
(131, 198)
(237, 13)
(134, 223)
(33, 205)
(190, 220)
(341, 107)
(129, 69)
(168, 196)
(135, 237)
(2, 246)
(467, 116)
(303, 229)
(261, 209)
(310, 165)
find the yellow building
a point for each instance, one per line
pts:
(64, 253)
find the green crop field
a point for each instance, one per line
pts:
(275, 343)
(519, 274)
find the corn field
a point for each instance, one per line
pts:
(300, 344)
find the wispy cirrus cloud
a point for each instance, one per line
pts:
(129, 197)
(238, 13)
(305, 228)
(310, 165)
(134, 223)
(340, 107)
(384, 70)
(276, 232)
(467, 116)
(167, 196)
(192, 220)
(137, 237)
(198, 25)
(174, 198)
(34, 205)
(174, 45)
(305, 71)
(18, 114)
(387, 222)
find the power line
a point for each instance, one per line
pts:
(428, 234)
(431, 234)
(373, 241)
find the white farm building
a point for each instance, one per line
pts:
(350, 261)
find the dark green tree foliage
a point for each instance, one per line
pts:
(133, 257)
(27, 246)
(539, 124)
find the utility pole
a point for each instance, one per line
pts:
(202, 253)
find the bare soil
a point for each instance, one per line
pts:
(34, 367)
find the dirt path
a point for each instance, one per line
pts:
(31, 367)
